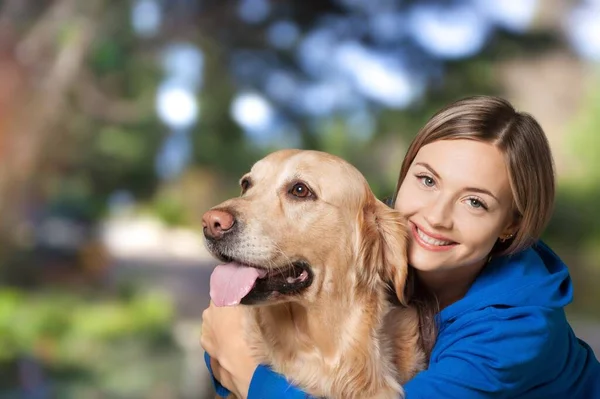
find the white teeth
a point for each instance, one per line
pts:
(431, 240)
(303, 276)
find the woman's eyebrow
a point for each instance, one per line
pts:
(481, 191)
(469, 189)
(429, 168)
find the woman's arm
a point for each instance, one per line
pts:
(217, 374)
(223, 339)
(496, 353)
(229, 359)
(265, 383)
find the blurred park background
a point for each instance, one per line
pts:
(121, 122)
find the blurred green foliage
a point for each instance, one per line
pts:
(75, 336)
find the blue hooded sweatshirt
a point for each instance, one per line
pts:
(507, 338)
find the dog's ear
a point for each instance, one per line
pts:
(382, 248)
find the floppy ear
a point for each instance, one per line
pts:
(383, 239)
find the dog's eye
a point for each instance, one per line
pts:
(300, 190)
(245, 184)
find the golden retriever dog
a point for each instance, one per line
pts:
(320, 265)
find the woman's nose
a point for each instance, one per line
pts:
(439, 213)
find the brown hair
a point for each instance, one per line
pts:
(526, 149)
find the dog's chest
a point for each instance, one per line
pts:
(335, 375)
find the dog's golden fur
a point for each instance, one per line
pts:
(341, 337)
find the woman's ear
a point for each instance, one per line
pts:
(383, 248)
(511, 228)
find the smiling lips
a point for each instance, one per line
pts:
(431, 242)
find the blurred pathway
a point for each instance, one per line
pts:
(186, 281)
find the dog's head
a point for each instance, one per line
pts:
(306, 225)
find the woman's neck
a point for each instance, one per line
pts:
(450, 285)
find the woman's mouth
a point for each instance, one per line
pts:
(431, 242)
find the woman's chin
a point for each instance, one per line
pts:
(427, 260)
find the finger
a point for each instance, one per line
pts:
(221, 375)
(216, 368)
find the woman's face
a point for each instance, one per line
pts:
(458, 201)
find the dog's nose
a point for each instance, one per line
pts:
(216, 223)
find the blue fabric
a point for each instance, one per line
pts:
(507, 338)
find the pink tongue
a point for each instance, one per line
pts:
(230, 282)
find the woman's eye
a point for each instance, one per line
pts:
(477, 204)
(300, 190)
(427, 181)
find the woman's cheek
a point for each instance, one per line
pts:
(404, 200)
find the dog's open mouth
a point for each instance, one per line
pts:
(234, 283)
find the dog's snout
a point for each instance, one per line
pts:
(217, 223)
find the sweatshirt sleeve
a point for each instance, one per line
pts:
(265, 384)
(501, 355)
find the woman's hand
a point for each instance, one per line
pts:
(224, 340)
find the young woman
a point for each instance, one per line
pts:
(477, 186)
